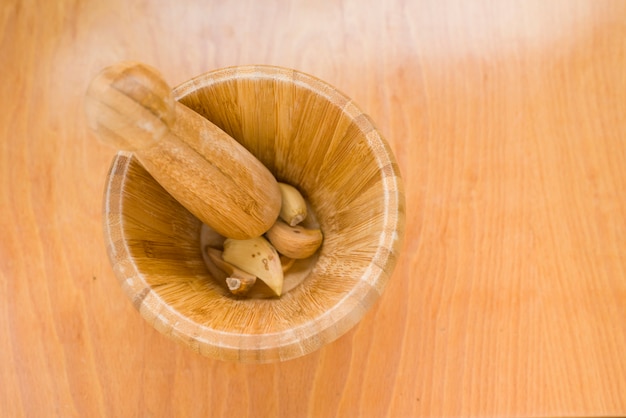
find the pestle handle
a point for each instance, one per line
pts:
(131, 107)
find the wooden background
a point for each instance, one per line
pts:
(508, 120)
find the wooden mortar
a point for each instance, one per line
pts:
(309, 135)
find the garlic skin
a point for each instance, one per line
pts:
(237, 286)
(294, 241)
(238, 281)
(293, 208)
(258, 257)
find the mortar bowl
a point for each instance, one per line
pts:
(309, 135)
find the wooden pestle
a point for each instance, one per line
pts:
(132, 108)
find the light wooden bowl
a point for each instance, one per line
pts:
(309, 135)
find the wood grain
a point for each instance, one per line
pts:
(507, 119)
(309, 136)
(130, 107)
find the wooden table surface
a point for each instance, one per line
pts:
(508, 120)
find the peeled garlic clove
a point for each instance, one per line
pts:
(257, 257)
(238, 281)
(293, 208)
(294, 241)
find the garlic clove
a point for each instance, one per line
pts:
(294, 241)
(286, 262)
(238, 281)
(293, 207)
(258, 257)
